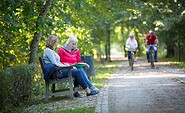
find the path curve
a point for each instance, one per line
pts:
(144, 90)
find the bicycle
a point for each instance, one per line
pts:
(131, 58)
(151, 55)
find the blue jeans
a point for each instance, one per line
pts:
(155, 53)
(148, 57)
(84, 75)
(129, 54)
(79, 79)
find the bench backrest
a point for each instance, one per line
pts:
(89, 60)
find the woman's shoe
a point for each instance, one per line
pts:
(92, 93)
(77, 94)
(93, 88)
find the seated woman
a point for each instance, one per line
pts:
(50, 56)
(69, 54)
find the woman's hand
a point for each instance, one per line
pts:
(74, 68)
(63, 65)
(87, 67)
(66, 64)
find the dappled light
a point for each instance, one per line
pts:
(144, 89)
(115, 65)
(101, 27)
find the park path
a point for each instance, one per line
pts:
(144, 90)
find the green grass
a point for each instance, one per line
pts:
(179, 64)
(173, 61)
(102, 72)
(79, 110)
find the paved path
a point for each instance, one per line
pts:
(144, 90)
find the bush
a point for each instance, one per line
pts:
(15, 85)
(5, 86)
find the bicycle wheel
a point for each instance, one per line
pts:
(129, 62)
(132, 67)
(152, 60)
(132, 63)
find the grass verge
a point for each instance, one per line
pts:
(102, 72)
(174, 62)
(79, 110)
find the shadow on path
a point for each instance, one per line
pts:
(143, 90)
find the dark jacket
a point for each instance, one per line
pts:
(48, 70)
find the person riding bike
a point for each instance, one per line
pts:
(151, 40)
(131, 45)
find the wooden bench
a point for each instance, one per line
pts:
(50, 84)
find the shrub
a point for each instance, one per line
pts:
(5, 86)
(15, 85)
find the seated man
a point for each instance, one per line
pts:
(151, 40)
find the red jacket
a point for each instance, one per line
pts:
(151, 40)
(69, 57)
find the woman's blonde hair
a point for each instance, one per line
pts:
(51, 40)
(72, 38)
(131, 34)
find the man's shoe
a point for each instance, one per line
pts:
(77, 94)
(156, 60)
(92, 93)
(148, 61)
(93, 88)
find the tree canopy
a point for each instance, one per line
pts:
(25, 25)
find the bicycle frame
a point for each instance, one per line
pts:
(151, 55)
(131, 57)
(131, 60)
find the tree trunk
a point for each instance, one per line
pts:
(108, 43)
(170, 51)
(38, 34)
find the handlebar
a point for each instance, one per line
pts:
(153, 45)
(131, 49)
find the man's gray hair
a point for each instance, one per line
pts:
(151, 32)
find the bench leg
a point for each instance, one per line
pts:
(47, 91)
(53, 88)
(71, 83)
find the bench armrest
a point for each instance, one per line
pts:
(63, 68)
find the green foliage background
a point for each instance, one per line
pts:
(90, 21)
(87, 19)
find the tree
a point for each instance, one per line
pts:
(38, 33)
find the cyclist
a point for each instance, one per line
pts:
(151, 39)
(131, 45)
